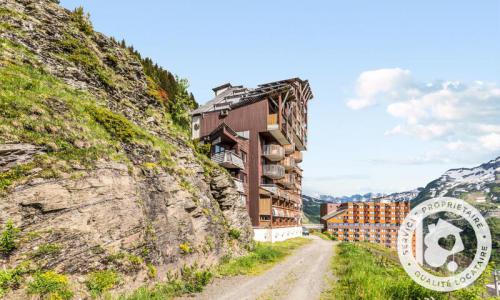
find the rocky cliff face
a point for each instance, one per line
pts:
(93, 171)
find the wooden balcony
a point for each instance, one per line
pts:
(289, 148)
(276, 191)
(300, 140)
(273, 152)
(279, 132)
(228, 159)
(289, 163)
(295, 198)
(273, 171)
(297, 155)
(288, 180)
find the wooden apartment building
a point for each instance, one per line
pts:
(258, 135)
(375, 221)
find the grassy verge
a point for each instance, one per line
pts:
(261, 258)
(193, 279)
(324, 236)
(365, 273)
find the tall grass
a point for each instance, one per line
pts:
(191, 279)
(362, 275)
(261, 258)
(367, 271)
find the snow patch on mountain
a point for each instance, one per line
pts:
(456, 181)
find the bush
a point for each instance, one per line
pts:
(81, 19)
(116, 125)
(152, 272)
(234, 233)
(200, 148)
(194, 279)
(185, 248)
(8, 238)
(135, 260)
(191, 279)
(9, 279)
(101, 281)
(47, 249)
(8, 177)
(50, 285)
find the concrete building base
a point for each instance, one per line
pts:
(276, 234)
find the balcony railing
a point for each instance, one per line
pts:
(239, 185)
(298, 156)
(288, 180)
(274, 152)
(294, 197)
(289, 148)
(280, 132)
(228, 159)
(273, 171)
(272, 119)
(272, 188)
(289, 163)
(298, 170)
(276, 191)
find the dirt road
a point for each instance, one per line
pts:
(301, 276)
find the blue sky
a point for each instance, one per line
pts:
(404, 90)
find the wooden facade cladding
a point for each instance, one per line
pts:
(269, 124)
(252, 117)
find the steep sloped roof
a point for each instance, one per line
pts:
(235, 96)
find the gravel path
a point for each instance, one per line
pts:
(301, 276)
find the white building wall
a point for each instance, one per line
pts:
(276, 234)
(195, 127)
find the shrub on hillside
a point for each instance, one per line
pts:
(8, 238)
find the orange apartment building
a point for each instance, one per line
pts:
(258, 135)
(375, 221)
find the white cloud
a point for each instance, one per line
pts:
(461, 116)
(360, 103)
(488, 128)
(490, 141)
(456, 146)
(370, 84)
(411, 110)
(424, 132)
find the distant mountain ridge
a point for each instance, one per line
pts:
(311, 205)
(483, 179)
(394, 197)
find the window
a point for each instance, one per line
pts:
(243, 156)
(243, 177)
(218, 148)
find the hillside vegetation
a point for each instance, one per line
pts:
(368, 271)
(101, 189)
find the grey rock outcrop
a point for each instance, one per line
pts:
(15, 154)
(168, 214)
